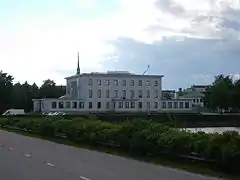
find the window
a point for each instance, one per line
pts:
(90, 82)
(114, 104)
(140, 93)
(54, 105)
(148, 83)
(107, 82)
(99, 82)
(156, 93)
(132, 83)
(194, 100)
(107, 93)
(164, 105)
(155, 83)
(148, 105)
(201, 100)
(186, 104)
(148, 94)
(90, 105)
(140, 83)
(124, 82)
(81, 105)
(124, 93)
(126, 104)
(132, 94)
(99, 93)
(74, 104)
(60, 105)
(68, 104)
(181, 105)
(169, 104)
(115, 82)
(90, 93)
(155, 105)
(140, 105)
(115, 93)
(175, 105)
(132, 104)
(99, 105)
(120, 104)
(107, 105)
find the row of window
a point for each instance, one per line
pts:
(121, 104)
(123, 94)
(197, 100)
(175, 105)
(123, 82)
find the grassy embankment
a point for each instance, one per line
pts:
(141, 139)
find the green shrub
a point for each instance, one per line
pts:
(138, 136)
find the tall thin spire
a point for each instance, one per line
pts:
(78, 66)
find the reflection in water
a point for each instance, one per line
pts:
(215, 129)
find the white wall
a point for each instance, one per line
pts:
(85, 87)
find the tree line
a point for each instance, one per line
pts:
(224, 92)
(17, 95)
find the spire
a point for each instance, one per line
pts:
(78, 66)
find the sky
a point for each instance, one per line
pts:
(187, 41)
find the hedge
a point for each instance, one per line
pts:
(140, 137)
(176, 119)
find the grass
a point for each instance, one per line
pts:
(190, 167)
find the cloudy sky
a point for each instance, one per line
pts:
(188, 41)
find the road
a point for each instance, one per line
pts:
(27, 158)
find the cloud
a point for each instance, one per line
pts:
(187, 41)
(200, 19)
(183, 63)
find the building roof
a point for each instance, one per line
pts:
(200, 86)
(113, 74)
(168, 91)
(192, 94)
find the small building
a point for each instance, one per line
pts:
(199, 88)
(169, 94)
(195, 96)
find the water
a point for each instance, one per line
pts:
(215, 129)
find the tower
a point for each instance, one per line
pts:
(78, 66)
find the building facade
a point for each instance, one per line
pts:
(113, 91)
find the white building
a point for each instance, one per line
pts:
(112, 91)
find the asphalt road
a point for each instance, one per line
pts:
(26, 158)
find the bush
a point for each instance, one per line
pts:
(139, 136)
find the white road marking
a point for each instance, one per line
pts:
(27, 155)
(84, 178)
(49, 164)
(10, 149)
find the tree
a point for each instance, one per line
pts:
(6, 87)
(50, 90)
(220, 93)
(236, 95)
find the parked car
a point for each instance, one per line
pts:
(10, 112)
(56, 114)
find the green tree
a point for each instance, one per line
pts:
(220, 93)
(50, 90)
(236, 95)
(6, 87)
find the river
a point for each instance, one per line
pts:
(215, 129)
